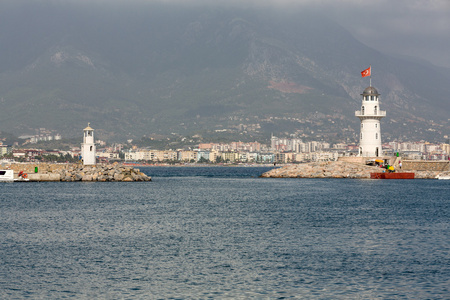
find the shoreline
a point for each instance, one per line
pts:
(194, 165)
(117, 172)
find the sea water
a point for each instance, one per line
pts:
(223, 232)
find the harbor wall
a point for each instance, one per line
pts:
(418, 165)
(43, 168)
(352, 159)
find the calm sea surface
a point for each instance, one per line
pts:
(223, 232)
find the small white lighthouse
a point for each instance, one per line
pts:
(88, 146)
(370, 116)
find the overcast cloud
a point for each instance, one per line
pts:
(408, 27)
(419, 28)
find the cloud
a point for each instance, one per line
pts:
(410, 27)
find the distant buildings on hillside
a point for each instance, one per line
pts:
(280, 150)
(41, 135)
(4, 149)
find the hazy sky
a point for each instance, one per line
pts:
(409, 27)
(419, 28)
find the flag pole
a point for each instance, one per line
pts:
(370, 77)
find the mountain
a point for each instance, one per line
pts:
(161, 69)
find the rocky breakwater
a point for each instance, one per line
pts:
(331, 169)
(102, 173)
(339, 169)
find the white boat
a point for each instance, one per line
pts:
(6, 175)
(443, 177)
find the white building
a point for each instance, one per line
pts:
(284, 144)
(370, 116)
(137, 155)
(88, 146)
(4, 149)
(108, 155)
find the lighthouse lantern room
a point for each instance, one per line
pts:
(88, 146)
(370, 116)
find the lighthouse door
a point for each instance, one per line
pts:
(376, 152)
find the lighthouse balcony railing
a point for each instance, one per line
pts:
(381, 113)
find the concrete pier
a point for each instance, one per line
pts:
(44, 177)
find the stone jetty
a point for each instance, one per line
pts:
(77, 172)
(336, 169)
(103, 173)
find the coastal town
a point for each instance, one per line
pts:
(286, 149)
(280, 151)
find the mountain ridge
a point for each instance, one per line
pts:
(192, 70)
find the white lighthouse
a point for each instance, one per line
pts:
(88, 146)
(370, 116)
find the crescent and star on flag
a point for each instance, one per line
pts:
(367, 72)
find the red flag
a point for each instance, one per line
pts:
(366, 72)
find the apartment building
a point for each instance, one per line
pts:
(187, 156)
(4, 149)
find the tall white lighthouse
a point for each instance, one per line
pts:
(88, 146)
(370, 116)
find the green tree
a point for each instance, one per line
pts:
(203, 160)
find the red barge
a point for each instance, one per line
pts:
(393, 175)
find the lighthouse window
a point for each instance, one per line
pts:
(376, 136)
(361, 135)
(376, 125)
(362, 110)
(372, 98)
(362, 125)
(375, 110)
(90, 148)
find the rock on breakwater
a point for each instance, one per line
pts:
(102, 173)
